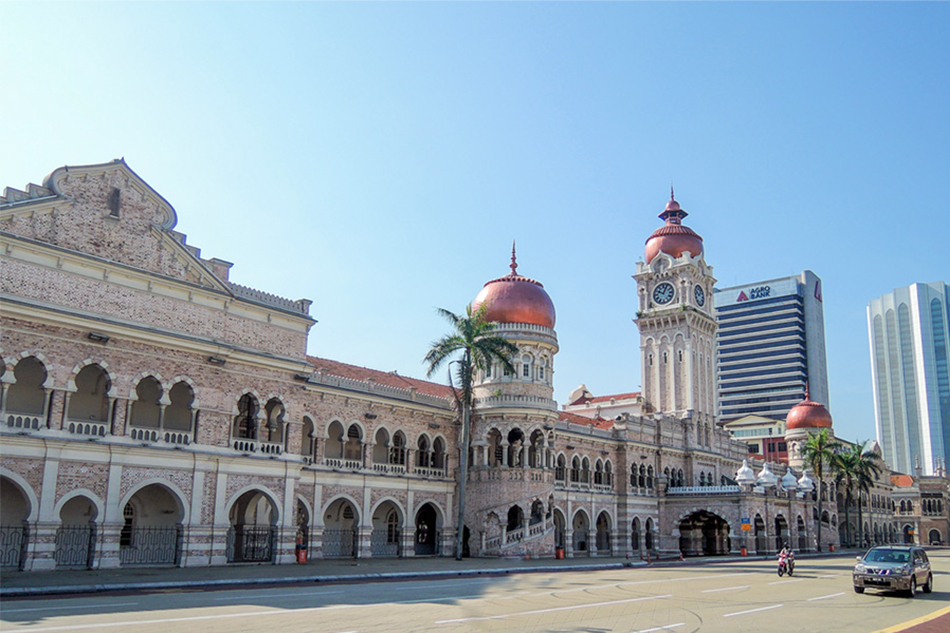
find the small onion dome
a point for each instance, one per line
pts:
(788, 481)
(516, 299)
(766, 477)
(808, 414)
(805, 484)
(745, 475)
(673, 238)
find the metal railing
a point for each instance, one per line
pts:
(151, 546)
(13, 542)
(75, 546)
(251, 544)
(384, 543)
(428, 543)
(340, 543)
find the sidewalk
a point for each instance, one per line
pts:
(24, 584)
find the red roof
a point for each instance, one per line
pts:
(597, 423)
(617, 396)
(902, 481)
(388, 378)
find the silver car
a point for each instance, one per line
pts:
(894, 567)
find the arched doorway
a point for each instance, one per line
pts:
(802, 535)
(761, 539)
(934, 537)
(908, 533)
(560, 530)
(302, 521)
(428, 539)
(76, 535)
(603, 534)
(14, 530)
(650, 536)
(581, 528)
(253, 532)
(151, 532)
(384, 541)
(703, 533)
(635, 535)
(781, 532)
(515, 519)
(340, 534)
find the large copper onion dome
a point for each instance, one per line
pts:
(516, 299)
(673, 238)
(808, 414)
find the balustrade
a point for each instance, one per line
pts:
(23, 421)
(89, 428)
(704, 490)
(343, 464)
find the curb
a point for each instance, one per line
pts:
(13, 592)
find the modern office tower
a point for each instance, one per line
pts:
(908, 329)
(770, 343)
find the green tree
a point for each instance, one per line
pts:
(856, 468)
(818, 451)
(480, 346)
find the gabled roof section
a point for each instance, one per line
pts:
(389, 379)
(55, 179)
(573, 418)
(902, 481)
(618, 397)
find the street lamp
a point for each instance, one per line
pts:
(766, 480)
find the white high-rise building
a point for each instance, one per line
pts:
(910, 346)
(770, 343)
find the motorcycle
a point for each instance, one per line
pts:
(786, 564)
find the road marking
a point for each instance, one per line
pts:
(774, 606)
(724, 589)
(785, 582)
(828, 576)
(314, 593)
(648, 582)
(903, 626)
(552, 610)
(834, 595)
(82, 606)
(660, 628)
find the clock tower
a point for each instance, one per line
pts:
(677, 321)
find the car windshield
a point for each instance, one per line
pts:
(887, 556)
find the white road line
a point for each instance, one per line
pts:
(828, 576)
(785, 582)
(774, 606)
(81, 606)
(314, 593)
(660, 628)
(724, 589)
(552, 610)
(834, 595)
(648, 582)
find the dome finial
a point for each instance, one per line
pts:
(514, 260)
(807, 396)
(671, 191)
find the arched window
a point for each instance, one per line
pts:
(642, 479)
(438, 453)
(146, 409)
(274, 412)
(423, 458)
(650, 478)
(245, 422)
(352, 450)
(398, 453)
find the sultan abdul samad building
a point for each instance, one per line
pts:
(156, 413)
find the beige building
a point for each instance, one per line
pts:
(156, 413)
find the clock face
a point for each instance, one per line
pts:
(700, 296)
(663, 293)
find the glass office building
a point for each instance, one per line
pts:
(909, 330)
(770, 343)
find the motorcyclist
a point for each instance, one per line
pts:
(787, 556)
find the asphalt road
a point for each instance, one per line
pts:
(712, 598)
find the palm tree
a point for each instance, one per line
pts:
(818, 452)
(857, 468)
(474, 336)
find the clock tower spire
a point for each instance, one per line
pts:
(677, 322)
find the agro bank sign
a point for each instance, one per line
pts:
(758, 291)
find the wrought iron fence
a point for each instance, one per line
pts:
(384, 542)
(75, 546)
(340, 543)
(13, 542)
(152, 546)
(428, 543)
(251, 544)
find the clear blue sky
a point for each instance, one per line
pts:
(380, 158)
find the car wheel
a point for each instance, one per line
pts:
(929, 586)
(913, 588)
(858, 589)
